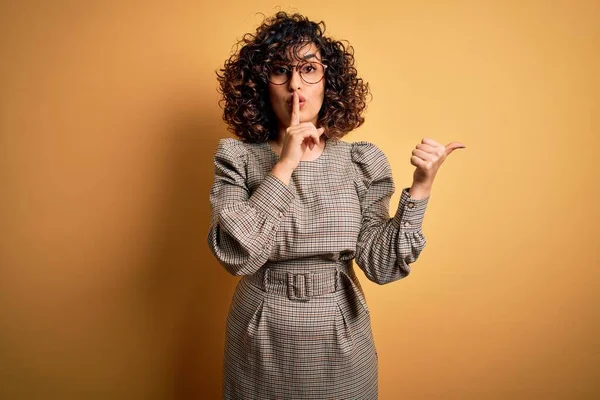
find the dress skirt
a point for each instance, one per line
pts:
(282, 348)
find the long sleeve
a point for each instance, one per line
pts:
(243, 225)
(386, 245)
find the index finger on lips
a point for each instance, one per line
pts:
(295, 118)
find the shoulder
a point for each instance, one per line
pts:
(359, 152)
(366, 152)
(230, 157)
(369, 160)
(230, 147)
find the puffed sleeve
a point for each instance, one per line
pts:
(386, 245)
(243, 224)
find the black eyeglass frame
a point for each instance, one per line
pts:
(291, 68)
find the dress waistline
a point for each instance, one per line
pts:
(301, 285)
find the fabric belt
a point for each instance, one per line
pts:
(300, 286)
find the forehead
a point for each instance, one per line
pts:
(305, 51)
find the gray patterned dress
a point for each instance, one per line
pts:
(298, 325)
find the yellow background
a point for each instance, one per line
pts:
(109, 119)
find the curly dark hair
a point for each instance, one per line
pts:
(243, 83)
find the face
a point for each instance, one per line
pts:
(310, 95)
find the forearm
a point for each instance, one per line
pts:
(243, 229)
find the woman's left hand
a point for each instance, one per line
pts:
(428, 157)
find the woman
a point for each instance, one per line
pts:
(292, 206)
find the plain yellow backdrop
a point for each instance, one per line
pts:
(108, 122)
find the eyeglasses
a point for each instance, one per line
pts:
(311, 72)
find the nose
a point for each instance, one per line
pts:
(295, 80)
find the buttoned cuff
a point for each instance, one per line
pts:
(410, 212)
(272, 197)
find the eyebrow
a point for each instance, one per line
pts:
(305, 57)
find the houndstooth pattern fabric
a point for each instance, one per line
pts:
(299, 326)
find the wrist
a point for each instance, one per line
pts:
(420, 190)
(283, 171)
(285, 166)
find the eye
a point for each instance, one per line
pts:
(308, 68)
(279, 70)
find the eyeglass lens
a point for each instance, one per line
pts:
(310, 72)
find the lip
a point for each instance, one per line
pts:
(290, 105)
(300, 97)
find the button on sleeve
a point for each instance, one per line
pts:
(410, 212)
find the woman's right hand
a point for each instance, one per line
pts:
(298, 136)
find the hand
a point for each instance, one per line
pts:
(298, 136)
(428, 157)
